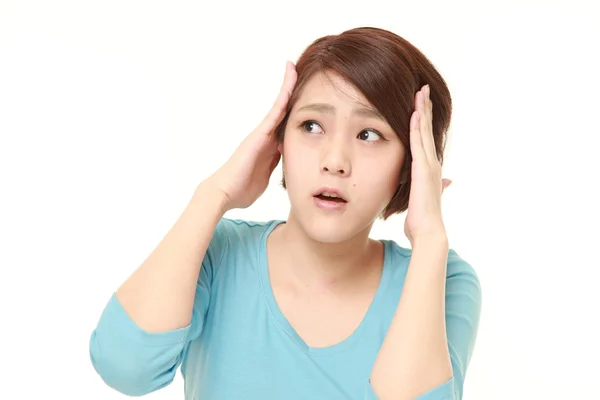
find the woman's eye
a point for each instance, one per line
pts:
(312, 127)
(369, 135)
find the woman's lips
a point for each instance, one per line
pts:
(329, 205)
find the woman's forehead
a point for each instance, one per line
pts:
(331, 89)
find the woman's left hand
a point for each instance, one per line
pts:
(424, 216)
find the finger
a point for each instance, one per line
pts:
(416, 143)
(426, 128)
(277, 112)
(429, 110)
(425, 125)
(434, 149)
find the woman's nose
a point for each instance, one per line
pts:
(336, 160)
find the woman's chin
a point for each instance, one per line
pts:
(324, 229)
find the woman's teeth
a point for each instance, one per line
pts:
(330, 197)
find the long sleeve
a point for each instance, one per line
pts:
(130, 360)
(463, 308)
(135, 362)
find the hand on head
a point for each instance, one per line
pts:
(245, 176)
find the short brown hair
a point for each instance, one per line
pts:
(388, 71)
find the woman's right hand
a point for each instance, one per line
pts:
(245, 176)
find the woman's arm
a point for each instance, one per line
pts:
(414, 356)
(429, 342)
(159, 295)
(144, 331)
(141, 336)
(433, 326)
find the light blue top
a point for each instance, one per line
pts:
(239, 345)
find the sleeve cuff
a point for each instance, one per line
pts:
(117, 323)
(445, 391)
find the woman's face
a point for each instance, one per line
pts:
(335, 141)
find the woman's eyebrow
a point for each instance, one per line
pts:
(325, 108)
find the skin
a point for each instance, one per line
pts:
(335, 147)
(159, 295)
(344, 148)
(324, 269)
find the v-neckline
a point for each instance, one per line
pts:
(373, 309)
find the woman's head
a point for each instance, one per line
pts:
(347, 127)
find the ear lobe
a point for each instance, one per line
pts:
(280, 148)
(446, 183)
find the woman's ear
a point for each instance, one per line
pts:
(280, 148)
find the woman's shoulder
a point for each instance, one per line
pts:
(245, 227)
(236, 239)
(233, 232)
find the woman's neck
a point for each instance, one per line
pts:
(324, 266)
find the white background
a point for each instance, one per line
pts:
(112, 112)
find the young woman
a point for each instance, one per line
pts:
(311, 307)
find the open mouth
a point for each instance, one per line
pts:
(330, 197)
